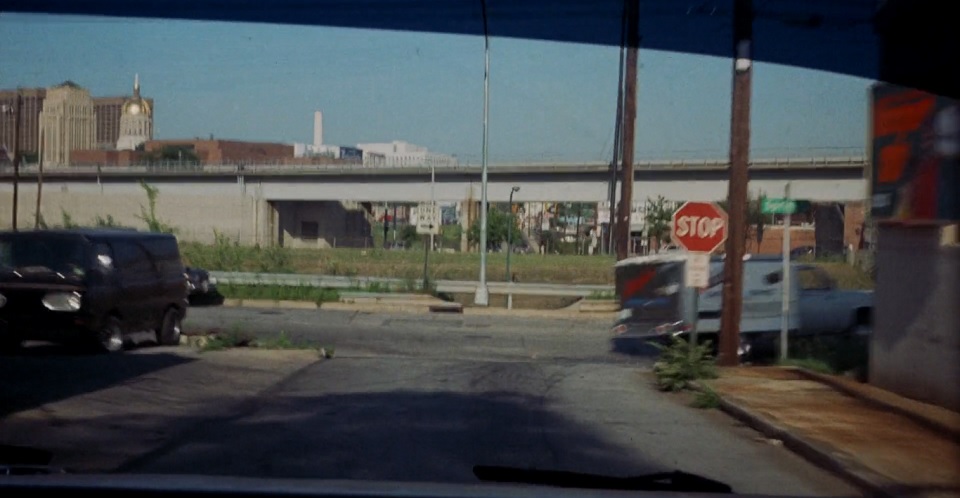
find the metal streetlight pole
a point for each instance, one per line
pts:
(433, 197)
(15, 157)
(482, 296)
(514, 190)
(510, 246)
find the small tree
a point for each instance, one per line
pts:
(498, 226)
(756, 220)
(408, 235)
(658, 220)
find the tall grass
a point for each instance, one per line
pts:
(226, 254)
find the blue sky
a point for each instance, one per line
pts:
(549, 101)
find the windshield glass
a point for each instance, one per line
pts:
(64, 255)
(398, 246)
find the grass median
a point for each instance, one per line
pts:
(279, 293)
(407, 265)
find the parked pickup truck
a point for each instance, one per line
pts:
(655, 303)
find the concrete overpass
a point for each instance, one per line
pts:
(321, 206)
(820, 179)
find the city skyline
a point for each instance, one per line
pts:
(549, 101)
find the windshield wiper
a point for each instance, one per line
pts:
(663, 481)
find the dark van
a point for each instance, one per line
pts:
(90, 285)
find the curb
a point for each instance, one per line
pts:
(267, 303)
(426, 307)
(922, 420)
(820, 455)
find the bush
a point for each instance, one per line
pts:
(706, 399)
(274, 259)
(680, 363)
(837, 354)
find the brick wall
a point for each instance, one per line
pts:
(773, 240)
(104, 157)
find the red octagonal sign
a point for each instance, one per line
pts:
(699, 226)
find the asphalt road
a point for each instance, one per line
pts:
(425, 398)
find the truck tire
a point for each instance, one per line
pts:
(170, 329)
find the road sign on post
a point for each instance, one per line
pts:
(778, 206)
(697, 272)
(699, 226)
(428, 219)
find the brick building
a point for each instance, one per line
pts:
(228, 151)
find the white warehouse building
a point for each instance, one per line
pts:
(400, 153)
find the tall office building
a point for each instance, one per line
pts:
(108, 111)
(67, 123)
(31, 101)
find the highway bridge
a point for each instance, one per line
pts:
(329, 205)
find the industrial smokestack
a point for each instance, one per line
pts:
(317, 129)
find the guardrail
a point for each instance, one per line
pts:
(450, 286)
(175, 169)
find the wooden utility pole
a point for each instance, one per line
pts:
(16, 157)
(739, 176)
(37, 216)
(629, 122)
(611, 238)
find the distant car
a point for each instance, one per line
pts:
(199, 281)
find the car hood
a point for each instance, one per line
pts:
(177, 485)
(43, 280)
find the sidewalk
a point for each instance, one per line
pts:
(885, 444)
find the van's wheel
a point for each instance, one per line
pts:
(170, 329)
(110, 336)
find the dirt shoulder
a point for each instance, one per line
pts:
(880, 447)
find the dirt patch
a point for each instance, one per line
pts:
(768, 373)
(521, 302)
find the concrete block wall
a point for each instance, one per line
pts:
(915, 348)
(194, 215)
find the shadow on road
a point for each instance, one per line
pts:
(397, 435)
(633, 347)
(44, 374)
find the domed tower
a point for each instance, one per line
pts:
(136, 120)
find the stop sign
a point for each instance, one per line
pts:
(699, 226)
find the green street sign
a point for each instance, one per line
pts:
(778, 206)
